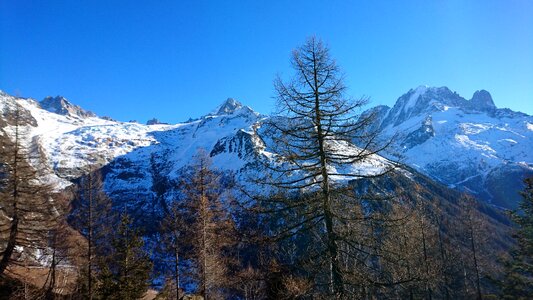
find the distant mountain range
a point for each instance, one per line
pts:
(468, 145)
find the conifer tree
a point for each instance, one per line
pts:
(125, 271)
(518, 280)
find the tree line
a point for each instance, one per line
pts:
(314, 226)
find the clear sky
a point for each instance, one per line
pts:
(179, 59)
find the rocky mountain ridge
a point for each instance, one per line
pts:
(466, 144)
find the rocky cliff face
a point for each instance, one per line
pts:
(482, 101)
(62, 106)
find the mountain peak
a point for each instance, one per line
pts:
(421, 89)
(482, 100)
(228, 107)
(61, 106)
(423, 96)
(431, 91)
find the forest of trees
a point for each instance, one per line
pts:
(305, 236)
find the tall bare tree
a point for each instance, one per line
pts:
(173, 231)
(93, 217)
(211, 227)
(26, 210)
(473, 228)
(60, 252)
(312, 136)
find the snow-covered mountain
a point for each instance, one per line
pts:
(75, 141)
(466, 144)
(136, 157)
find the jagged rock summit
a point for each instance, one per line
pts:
(60, 105)
(228, 107)
(232, 107)
(482, 100)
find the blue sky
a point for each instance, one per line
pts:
(179, 59)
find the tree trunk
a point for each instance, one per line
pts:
(176, 269)
(90, 240)
(13, 230)
(443, 259)
(10, 244)
(335, 272)
(428, 287)
(203, 216)
(474, 256)
(50, 291)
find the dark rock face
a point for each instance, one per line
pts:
(153, 121)
(240, 144)
(482, 100)
(419, 136)
(62, 106)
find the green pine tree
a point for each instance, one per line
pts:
(518, 281)
(125, 272)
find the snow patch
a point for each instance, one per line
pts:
(466, 142)
(508, 140)
(473, 128)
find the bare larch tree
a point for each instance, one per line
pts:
(312, 136)
(211, 227)
(26, 210)
(92, 216)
